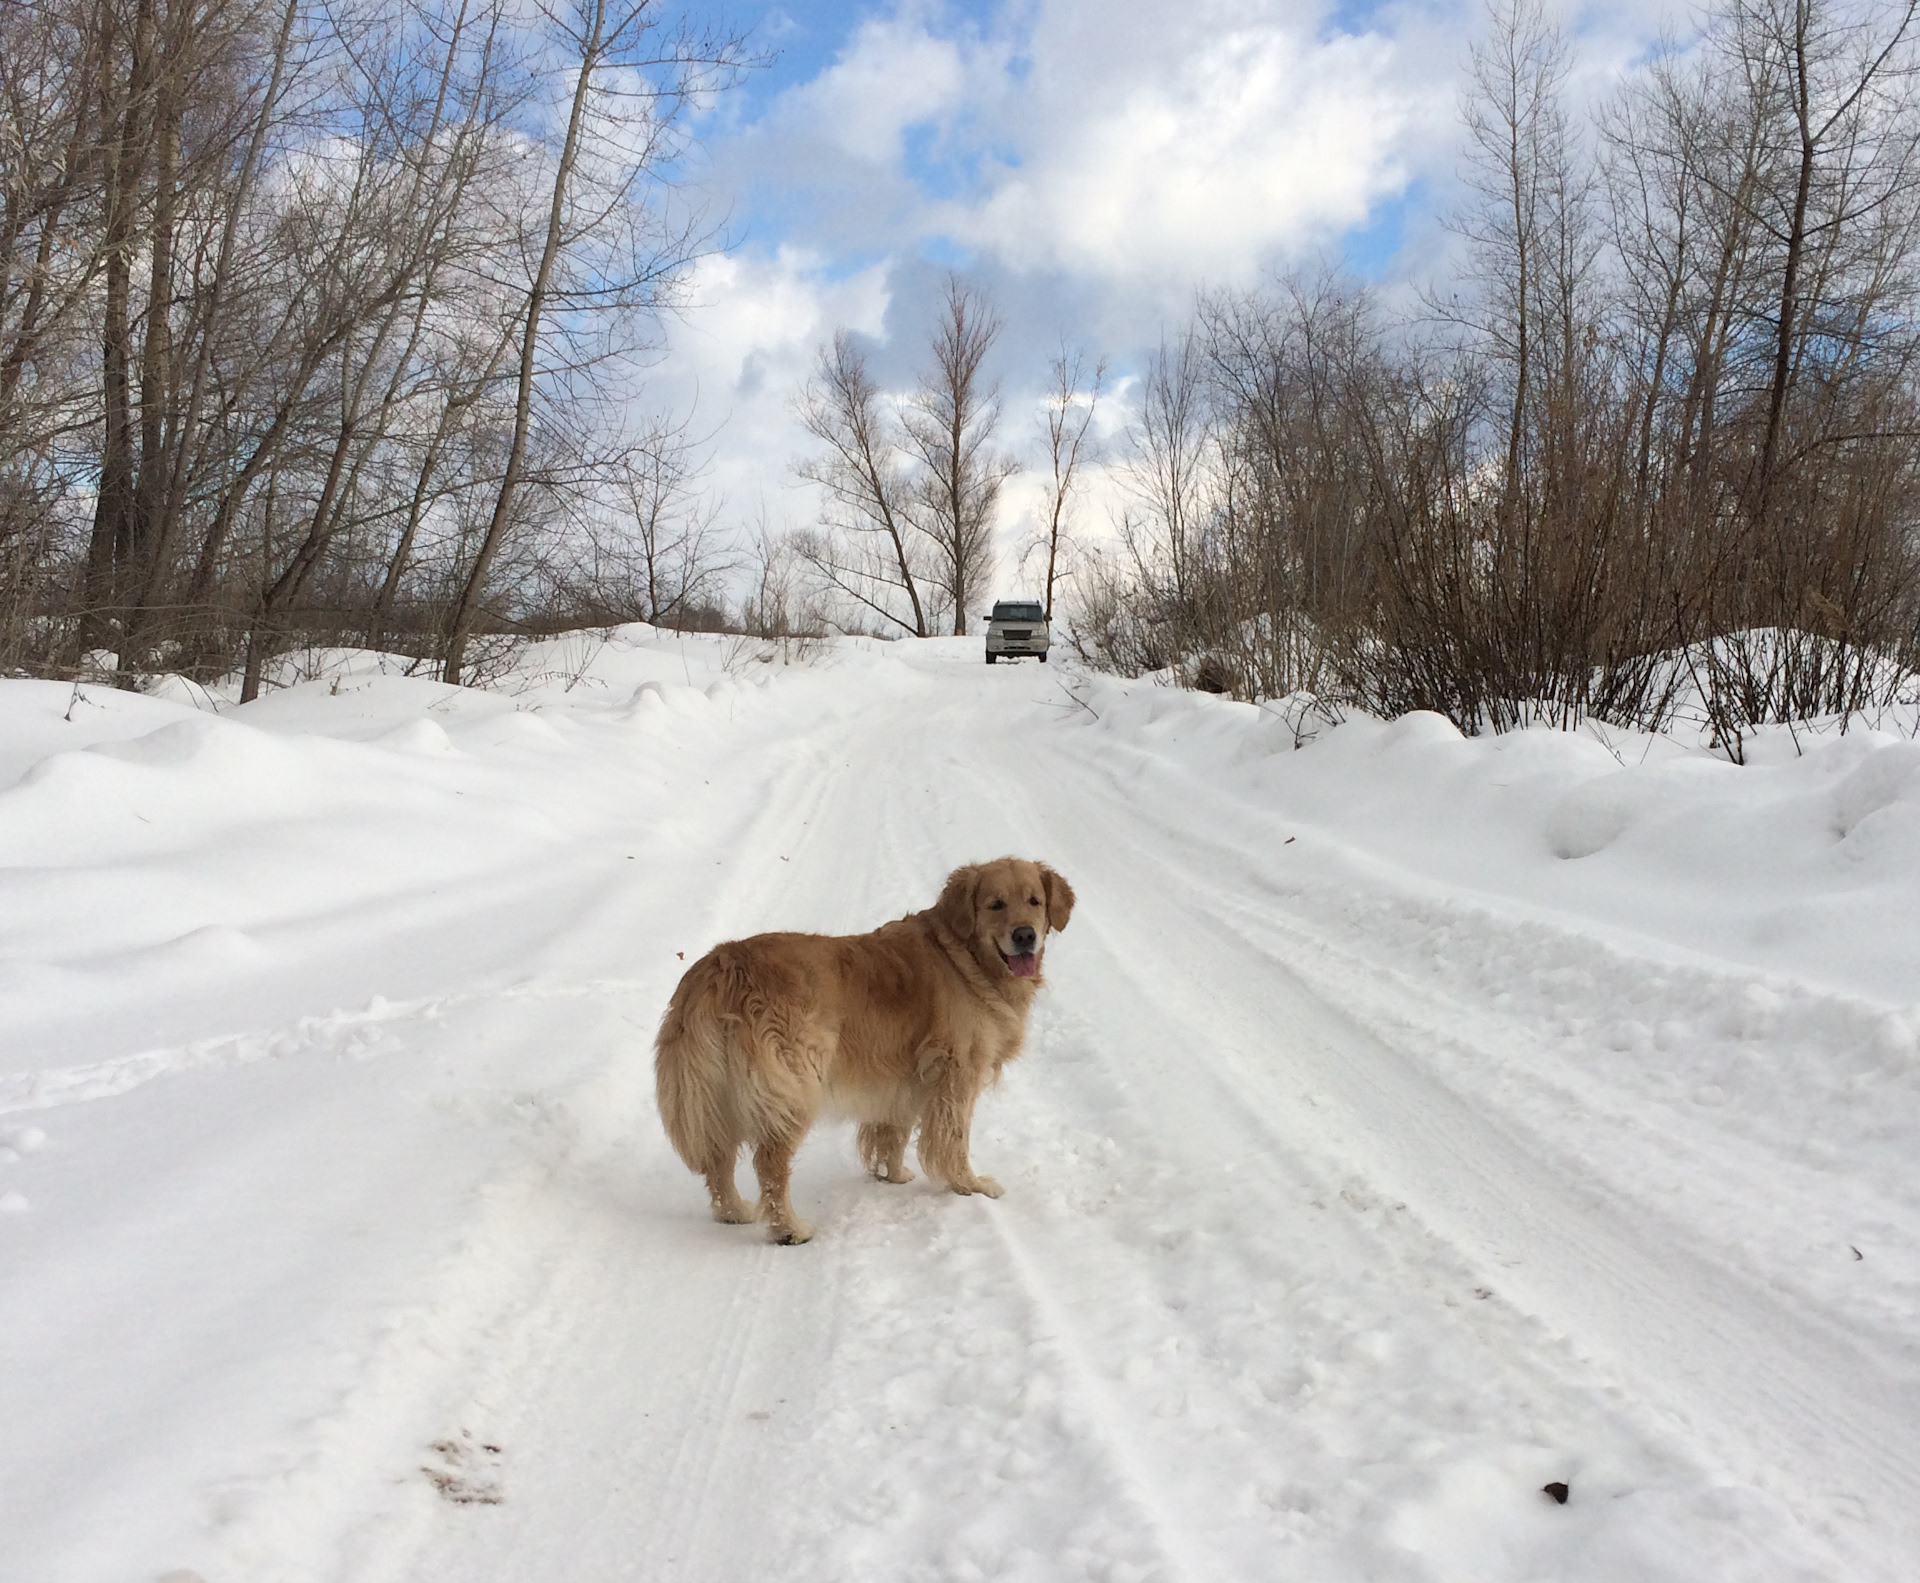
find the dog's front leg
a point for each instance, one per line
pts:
(947, 1124)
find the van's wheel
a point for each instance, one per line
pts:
(989, 659)
(1043, 656)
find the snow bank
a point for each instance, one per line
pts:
(1808, 864)
(1705, 975)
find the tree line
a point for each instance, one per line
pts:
(1659, 438)
(319, 322)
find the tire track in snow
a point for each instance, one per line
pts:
(960, 796)
(639, 1382)
(700, 1484)
(906, 850)
(1772, 1134)
(348, 1035)
(1749, 1200)
(1130, 1270)
(356, 1503)
(1193, 1268)
(1112, 1433)
(1715, 1360)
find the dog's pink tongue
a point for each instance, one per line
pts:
(1026, 966)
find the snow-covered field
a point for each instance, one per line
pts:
(1408, 1123)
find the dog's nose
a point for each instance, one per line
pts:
(1023, 938)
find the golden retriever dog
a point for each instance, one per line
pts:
(897, 1029)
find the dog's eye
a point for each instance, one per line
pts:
(1033, 901)
(996, 906)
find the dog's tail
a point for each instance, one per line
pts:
(691, 1066)
(732, 1064)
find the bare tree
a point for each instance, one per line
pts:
(949, 425)
(1529, 234)
(1068, 413)
(262, 361)
(373, 338)
(1848, 81)
(189, 95)
(1671, 441)
(50, 91)
(1294, 380)
(1169, 469)
(604, 253)
(779, 604)
(870, 552)
(446, 459)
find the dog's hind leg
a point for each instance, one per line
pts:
(773, 1165)
(883, 1147)
(729, 1208)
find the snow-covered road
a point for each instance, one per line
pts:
(1349, 1202)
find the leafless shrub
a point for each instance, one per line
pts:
(1661, 448)
(782, 616)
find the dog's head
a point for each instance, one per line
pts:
(1005, 910)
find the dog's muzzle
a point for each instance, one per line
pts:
(1022, 961)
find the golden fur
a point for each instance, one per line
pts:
(898, 1029)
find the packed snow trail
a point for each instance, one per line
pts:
(1311, 1264)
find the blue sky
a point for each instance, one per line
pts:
(803, 36)
(1090, 164)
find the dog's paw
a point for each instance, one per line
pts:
(986, 1186)
(738, 1213)
(792, 1234)
(899, 1175)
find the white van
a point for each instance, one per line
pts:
(1016, 628)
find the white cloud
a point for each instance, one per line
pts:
(1198, 151)
(1097, 160)
(743, 346)
(746, 309)
(896, 73)
(1127, 142)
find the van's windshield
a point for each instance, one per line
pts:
(1007, 612)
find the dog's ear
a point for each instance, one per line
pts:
(955, 906)
(1059, 896)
